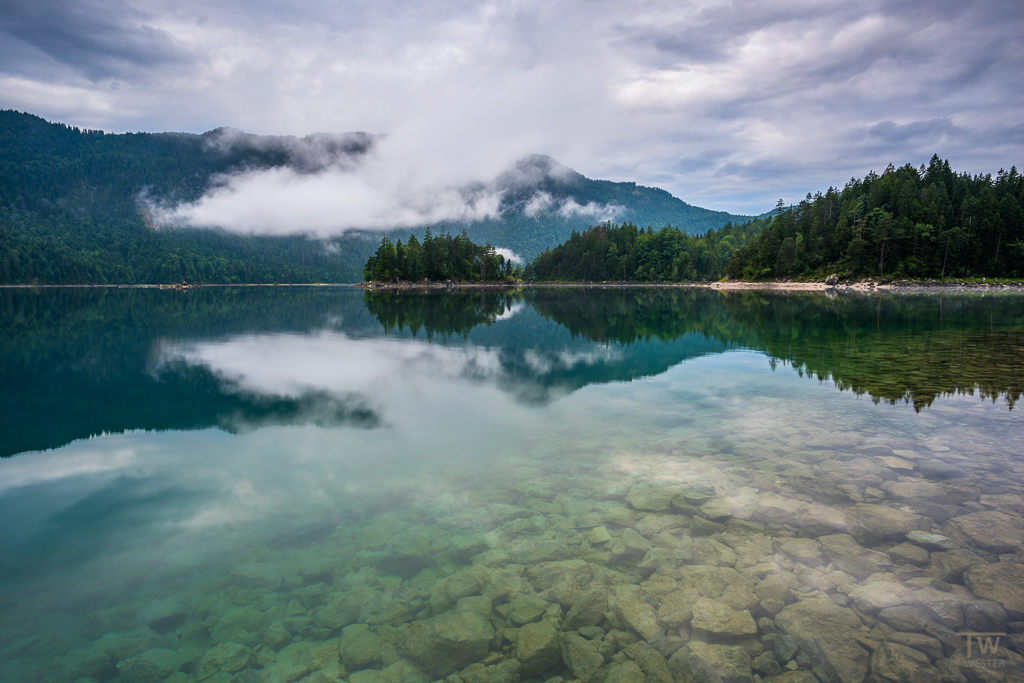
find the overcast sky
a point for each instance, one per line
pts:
(728, 105)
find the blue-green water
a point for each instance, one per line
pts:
(317, 484)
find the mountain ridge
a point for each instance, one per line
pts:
(73, 206)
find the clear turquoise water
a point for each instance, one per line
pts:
(276, 451)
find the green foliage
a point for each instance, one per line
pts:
(439, 316)
(908, 222)
(625, 252)
(439, 258)
(71, 212)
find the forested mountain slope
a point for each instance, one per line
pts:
(925, 222)
(71, 211)
(73, 207)
(921, 222)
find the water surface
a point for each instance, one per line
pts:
(320, 484)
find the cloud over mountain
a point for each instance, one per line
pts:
(728, 103)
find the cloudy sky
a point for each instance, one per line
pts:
(728, 105)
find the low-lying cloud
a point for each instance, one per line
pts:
(510, 255)
(330, 184)
(285, 201)
(545, 202)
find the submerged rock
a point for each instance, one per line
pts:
(580, 655)
(851, 557)
(985, 615)
(774, 593)
(80, 662)
(706, 663)
(823, 631)
(636, 613)
(626, 672)
(879, 595)
(341, 610)
(928, 540)
(359, 645)
(448, 642)
(870, 524)
(905, 618)
(894, 663)
(508, 671)
(993, 530)
(589, 607)
(524, 609)
(677, 607)
(949, 566)
(926, 644)
(805, 550)
(257, 575)
(1002, 582)
(239, 625)
(150, 666)
(226, 657)
(720, 619)
(125, 645)
(652, 497)
(651, 662)
(537, 648)
(161, 615)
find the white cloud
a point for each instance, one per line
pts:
(539, 202)
(727, 104)
(509, 255)
(602, 212)
(295, 365)
(543, 202)
(283, 201)
(510, 312)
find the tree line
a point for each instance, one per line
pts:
(626, 252)
(925, 222)
(438, 258)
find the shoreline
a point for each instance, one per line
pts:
(864, 287)
(182, 288)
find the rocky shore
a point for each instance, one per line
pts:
(806, 556)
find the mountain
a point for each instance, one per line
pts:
(544, 201)
(75, 206)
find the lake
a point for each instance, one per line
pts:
(243, 485)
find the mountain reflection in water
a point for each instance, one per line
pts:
(110, 361)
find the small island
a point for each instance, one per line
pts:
(439, 261)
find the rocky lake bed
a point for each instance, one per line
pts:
(822, 555)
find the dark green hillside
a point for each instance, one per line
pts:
(70, 212)
(926, 222)
(625, 252)
(571, 194)
(72, 207)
